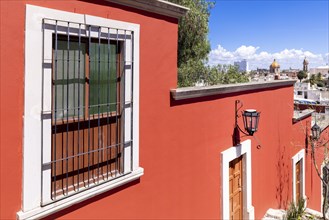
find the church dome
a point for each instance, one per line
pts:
(275, 64)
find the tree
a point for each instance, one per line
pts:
(194, 47)
(301, 75)
(319, 77)
(312, 79)
(193, 43)
(233, 76)
(316, 79)
(223, 74)
(324, 179)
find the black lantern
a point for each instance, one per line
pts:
(316, 131)
(250, 120)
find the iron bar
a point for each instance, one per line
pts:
(77, 23)
(98, 98)
(116, 107)
(123, 100)
(64, 112)
(42, 107)
(79, 76)
(89, 46)
(132, 102)
(108, 101)
(92, 151)
(55, 129)
(67, 105)
(90, 187)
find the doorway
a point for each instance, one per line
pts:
(236, 188)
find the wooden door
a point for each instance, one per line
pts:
(236, 189)
(298, 181)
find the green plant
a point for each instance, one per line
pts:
(301, 75)
(296, 210)
(193, 43)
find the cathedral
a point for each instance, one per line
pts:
(275, 68)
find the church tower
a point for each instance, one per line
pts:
(305, 65)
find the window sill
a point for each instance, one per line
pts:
(42, 212)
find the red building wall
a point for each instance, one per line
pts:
(11, 107)
(158, 33)
(301, 139)
(180, 141)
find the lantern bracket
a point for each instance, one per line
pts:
(238, 106)
(246, 114)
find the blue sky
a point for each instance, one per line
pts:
(263, 30)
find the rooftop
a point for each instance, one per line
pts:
(301, 114)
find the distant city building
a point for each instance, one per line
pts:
(311, 93)
(262, 71)
(290, 73)
(324, 70)
(243, 65)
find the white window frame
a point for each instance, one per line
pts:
(243, 149)
(37, 129)
(300, 156)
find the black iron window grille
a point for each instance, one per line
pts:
(88, 105)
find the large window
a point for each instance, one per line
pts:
(87, 112)
(81, 110)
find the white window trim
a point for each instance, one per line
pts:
(300, 156)
(37, 131)
(244, 149)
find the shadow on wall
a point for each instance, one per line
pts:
(282, 191)
(236, 139)
(126, 8)
(91, 200)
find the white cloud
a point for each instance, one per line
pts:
(286, 58)
(246, 51)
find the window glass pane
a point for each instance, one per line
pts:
(103, 77)
(68, 79)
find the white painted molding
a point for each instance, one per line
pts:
(37, 130)
(42, 212)
(244, 149)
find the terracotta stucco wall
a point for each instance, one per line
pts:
(180, 142)
(11, 107)
(301, 140)
(158, 33)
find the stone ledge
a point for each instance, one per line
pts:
(197, 92)
(301, 114)
(157, 6)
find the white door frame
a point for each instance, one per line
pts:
(243, 149)
(300, 156)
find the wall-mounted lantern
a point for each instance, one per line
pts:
(250, 119)
(316, 132)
